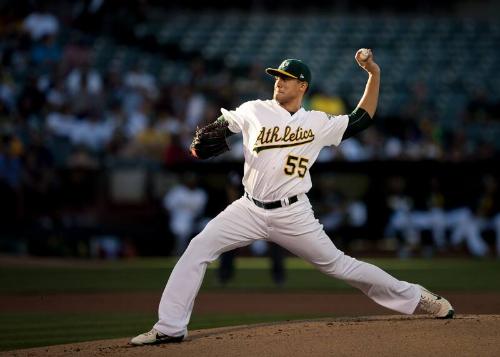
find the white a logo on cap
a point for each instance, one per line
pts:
(285, 64)
(301, 76)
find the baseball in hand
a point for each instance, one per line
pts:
(364, 54)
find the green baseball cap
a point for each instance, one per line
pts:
(293, 68)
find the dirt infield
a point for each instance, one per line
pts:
(466, 335)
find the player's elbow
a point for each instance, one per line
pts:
(369, 109)
(359, 120)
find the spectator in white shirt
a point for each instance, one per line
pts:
(41, 23)
(185, 204)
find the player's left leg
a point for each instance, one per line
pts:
(238, 225)
(296, 229)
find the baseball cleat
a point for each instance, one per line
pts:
(435, 304)
(154, 337)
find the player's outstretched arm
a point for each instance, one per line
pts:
(361, 117)
(369, 100)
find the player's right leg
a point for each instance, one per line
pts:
(304, 236)
(237, 226)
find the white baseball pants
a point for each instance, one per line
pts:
(293, 227)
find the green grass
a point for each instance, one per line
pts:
(43, 329)
(251, 274)
(23, 330)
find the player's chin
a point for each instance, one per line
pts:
(279, 97)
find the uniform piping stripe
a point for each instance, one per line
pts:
(267, 147)
(361, 117)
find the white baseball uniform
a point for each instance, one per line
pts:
(279, 149)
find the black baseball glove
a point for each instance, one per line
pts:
(211, 140)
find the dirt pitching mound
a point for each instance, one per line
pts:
(466, 335)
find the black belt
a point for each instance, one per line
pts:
(271, 205)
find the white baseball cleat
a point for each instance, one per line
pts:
(154, 337)
(435, 304)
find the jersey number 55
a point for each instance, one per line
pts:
(296, 165)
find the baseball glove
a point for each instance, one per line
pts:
(211, 140)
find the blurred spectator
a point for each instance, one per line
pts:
(105, 247)
(31, 100)
(7, 90)
(76, 53)
(10, 161)
(85, 88)
(91, 131)
(119, 140)
(400, 224)
(195, 107)
(10, 184)
(59, 120)
(39, 181)
(459, 147)
(175, 152)
(430, 146)
(431, 218)
(393, 148)
(84, 80)
(89, 15)
(487, 213)
(168, 123)
(41, 23)
(81, 158)
(327, 103)
(353, 150)
(115, 89)
(185, 204)
(137, 120)
(141, 81)
(56, 94)
(460, 222)
(345, 218)
(150, 143)
(46, 52)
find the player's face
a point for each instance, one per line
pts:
(288, 89)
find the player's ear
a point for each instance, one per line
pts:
(305, 86)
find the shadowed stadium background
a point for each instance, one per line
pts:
(99, 101)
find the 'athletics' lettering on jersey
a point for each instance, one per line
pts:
(289, 138)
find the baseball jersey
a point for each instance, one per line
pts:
(279, 148)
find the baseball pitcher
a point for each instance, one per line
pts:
(281, 142)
